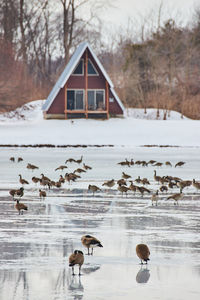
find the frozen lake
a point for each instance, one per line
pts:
(35, 246)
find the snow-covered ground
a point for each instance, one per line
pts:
(27, 126)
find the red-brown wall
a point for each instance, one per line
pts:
(79, 82)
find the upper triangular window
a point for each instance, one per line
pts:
(91, 68)
(79, 70)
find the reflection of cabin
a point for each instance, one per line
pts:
(84, 89)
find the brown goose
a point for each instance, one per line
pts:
(123, 189)
(132, 187)
(42, 194)
(90, 242)
(12, 159)
(93, 188)
(121, 181)
(143, 252)
(163, 188)
(176, 197)
(156, 178)
(19, 159)
(76, 258)
(154, 198)
(143, 190)
(125, 176)
(86, 167)
(62, 179)
(167, 163)
(70, 160)
(196, 184)
(124, 163)
(109, 183)
(79, 170)
(179, 164)
(35, 179)
(61, 168)
(79, 161)
(31, 167)
(22, 181)
(20, 207)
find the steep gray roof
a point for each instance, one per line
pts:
(69, 70)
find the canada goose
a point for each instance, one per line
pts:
(176, 197)
(123, 189)
(152, 162)
(132, 162)
(138, 180)
(142, 190)
(86, 167)
(19, 159)
(93, 188)
(79, 170)
(31, 167)
(45, 177)
(70, 160)
(179, 164)
(62, 179)
(163, 188)
(90, 242)
(132, 187)
(121, 181)
(167, 163)
(145, 181)
(71, 177)
(143, 252)
(22, 181)
(158, 164)
(196, 184)
(35, 179)
(76, 258)
(172, 184)
(79, 161)
(61, 168)
(20, 192)
(184, 183)
(156, 178)
(12, 159)
(109, 183)
(42, 194)
(125, 176)
(58, 184)
(20, 207)
(154, 198)
(12, 193)
(124, 163)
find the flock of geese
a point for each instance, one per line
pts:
(124, 185)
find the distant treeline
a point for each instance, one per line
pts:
(160, 70)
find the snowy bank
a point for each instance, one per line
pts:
(27, 126)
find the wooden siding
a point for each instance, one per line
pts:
(79, 82)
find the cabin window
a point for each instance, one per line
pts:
(75, 99)
(96, 100)
(91, 68)
(79, 70)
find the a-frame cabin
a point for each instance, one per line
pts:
(84, 89)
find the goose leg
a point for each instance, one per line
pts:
(73, 271)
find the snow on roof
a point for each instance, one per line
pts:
(68, 71)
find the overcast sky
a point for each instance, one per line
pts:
(182, 10)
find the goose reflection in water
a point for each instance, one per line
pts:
(143, 275)
(75, 287)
